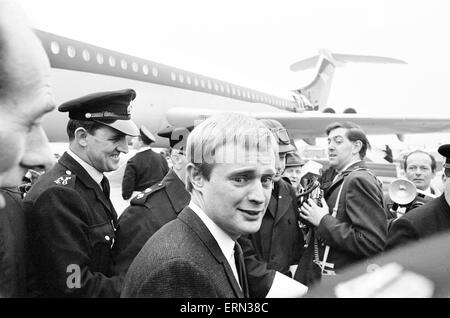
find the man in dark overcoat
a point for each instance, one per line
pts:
(144, 169)
(71, 220)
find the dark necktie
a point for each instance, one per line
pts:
(240, 266)
(105, 186)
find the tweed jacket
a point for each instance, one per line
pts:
(182, 259)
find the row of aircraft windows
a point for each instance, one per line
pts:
(86, 55)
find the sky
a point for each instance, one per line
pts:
(253, 43)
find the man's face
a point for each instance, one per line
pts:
(418, 170)
(280, 165)
(237, 194)
(23, 103)
(341, 150)
(293, 173)
(104, 147)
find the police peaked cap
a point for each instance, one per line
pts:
(111, 108)
(444, 150)
(177, 136)
(146, 134)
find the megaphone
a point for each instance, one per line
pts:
(402, 191)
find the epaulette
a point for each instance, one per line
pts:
(67, 179)
(142, 197)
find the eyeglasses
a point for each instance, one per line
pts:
(282, 135)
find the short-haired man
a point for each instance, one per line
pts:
(428, 219)
(420, 168)
(352, 224)
(144, 169)
(25, 97)
(71, 217)
(231, 163)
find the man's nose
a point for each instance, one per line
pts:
(123, 145)
(38, 154)
(256, 194)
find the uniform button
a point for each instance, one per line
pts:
(279, 197)
(107, 237)
(68, 172)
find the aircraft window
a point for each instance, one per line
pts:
(173, 76)
(221, 88)
(134, 66)
(233, 91)
(216, 86)
(86, 55)
(71, 51)
(99, 58)
(123, 64)
(188, 80)
(202, 83)
(227, 87)
(54, 47)
(154, 71)
(238, 92)
(181, 78)
(112, 61)
(253, 96)
(209, 84)
(195, 81)
(145, 69)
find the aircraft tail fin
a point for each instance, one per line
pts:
(316, 93)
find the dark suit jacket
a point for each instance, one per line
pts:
(279, 242)
(182, 259)
(142, 171)
(359, 229)
(71, 223)
(426, 220)
(12, 246)
(428, 257)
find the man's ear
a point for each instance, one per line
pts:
(194, 176)
(81, 135)
(357, 145)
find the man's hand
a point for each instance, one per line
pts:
(313, 213)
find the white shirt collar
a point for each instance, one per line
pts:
(226, 243)
(144, 148)
(93, 173)
(350, 164)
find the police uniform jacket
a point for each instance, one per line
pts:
(142, 171)
(426, 220)
(182, 259)
(12, 246)
(279, 241)
(148, 212)
(71, 233)
(359, 229)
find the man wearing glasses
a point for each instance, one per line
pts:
(428, 219)
(70, 217)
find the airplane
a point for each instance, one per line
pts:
(169, 96)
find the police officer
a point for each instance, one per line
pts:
(144, 169)
(70, 216)
(428, 219)
(155, 206)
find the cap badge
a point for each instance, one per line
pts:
(88, 115)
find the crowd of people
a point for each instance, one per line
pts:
(231, 217)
